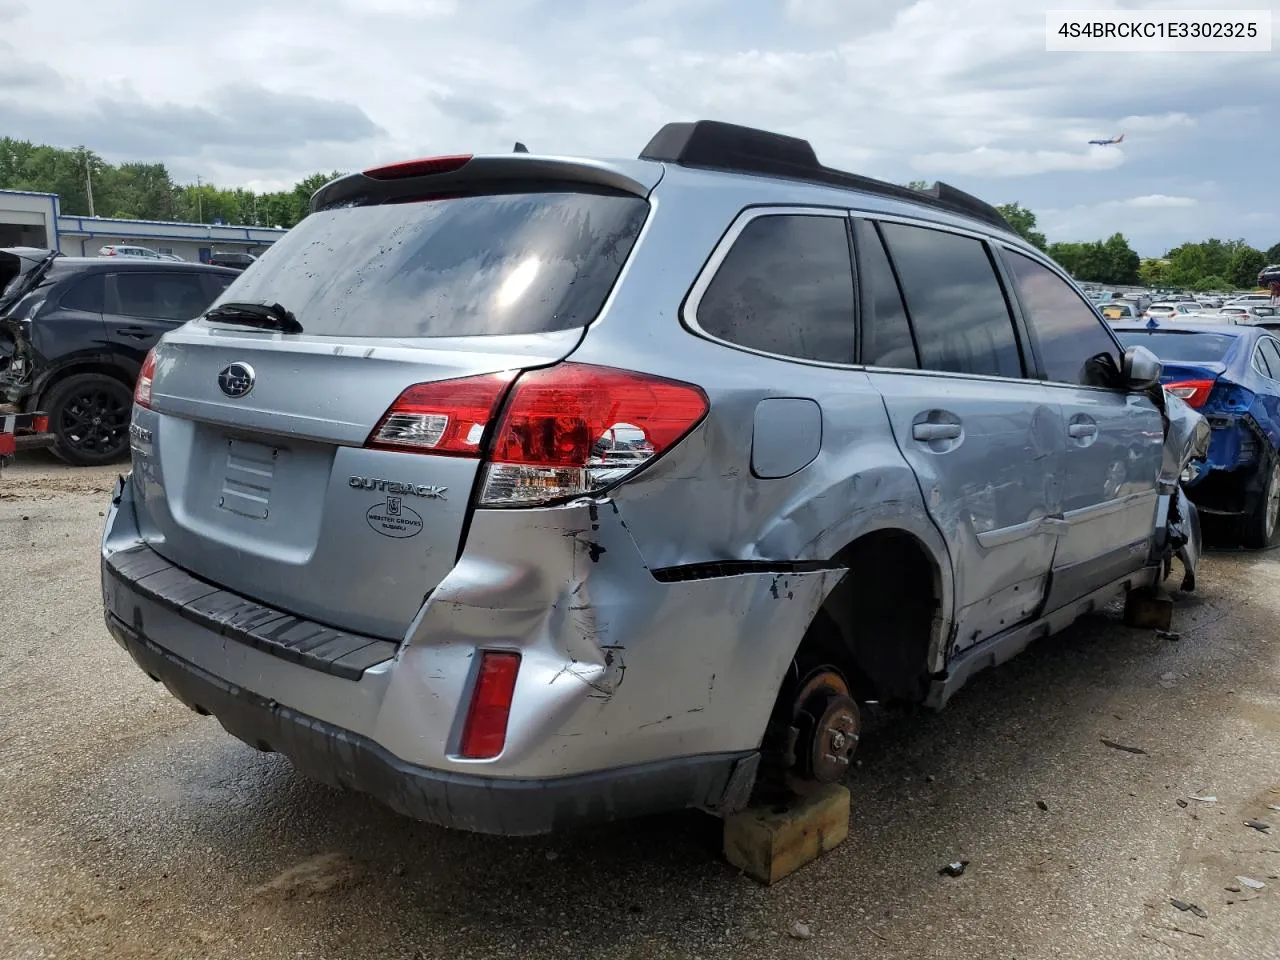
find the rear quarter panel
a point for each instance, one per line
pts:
(702, 503)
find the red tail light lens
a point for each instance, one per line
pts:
(574, 429)
(1193, 392)
(447, 418)
(485, 732)
(40, 424)
(142, 390)
(423, 167)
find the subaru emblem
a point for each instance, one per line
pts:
(236, 380)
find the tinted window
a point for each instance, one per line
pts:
(85, 295)
(1067, 331)
(164, 296)
(886, 335)
(215, 284)
(1180, 347)
(1271, 353)
(467, 266)
(786, 287)
(957, 308)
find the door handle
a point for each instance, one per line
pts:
(1082, 431)
(935, 431)
(137, 333)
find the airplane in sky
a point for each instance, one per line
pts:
(1106, 143)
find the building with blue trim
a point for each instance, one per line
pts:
(35, 220)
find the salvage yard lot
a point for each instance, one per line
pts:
(133, 828)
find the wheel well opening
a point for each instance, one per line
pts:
(119, 374)
(883, 616)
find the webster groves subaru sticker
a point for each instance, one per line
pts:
(394, 519)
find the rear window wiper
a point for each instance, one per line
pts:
(265, 316)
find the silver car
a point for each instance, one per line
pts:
(522, 491)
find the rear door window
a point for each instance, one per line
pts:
(886, 334)
(160, 296)
(467, 266)
(786, 288)
(955, 301)
(1069, 334)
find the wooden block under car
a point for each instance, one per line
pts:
(1148, 610)
(772, 842)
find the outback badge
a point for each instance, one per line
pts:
(430, 491)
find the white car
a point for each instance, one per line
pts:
(1169, 310)
(139, 253)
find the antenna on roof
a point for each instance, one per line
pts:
(520, 148)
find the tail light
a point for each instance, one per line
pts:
(574, 429)
(142, 390)
(566, 431)
(1193, 392)
(447, 417)
(485, 732)
(40, 424)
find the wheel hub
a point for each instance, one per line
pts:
(826, 727)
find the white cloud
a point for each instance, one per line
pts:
(959, 89)
(995, 162)
(1159, 201)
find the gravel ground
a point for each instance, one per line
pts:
(133, 828)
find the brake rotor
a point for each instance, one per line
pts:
(826, 727)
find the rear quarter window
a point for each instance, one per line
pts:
(464, 266)
(785, 288)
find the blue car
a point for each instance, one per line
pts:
(1231, 375)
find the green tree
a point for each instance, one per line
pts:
(917, 185)
(1122, 262)
(1024, 222)
(138, 191)
(1211, 283)
(1273, 255)
(1192, 262)
(1245, 265)
(1153, 273)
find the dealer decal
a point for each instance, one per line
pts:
(394, 519)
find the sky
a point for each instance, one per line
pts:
(261, 93)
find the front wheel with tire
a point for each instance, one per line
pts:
(89, 418)
(1258, 528)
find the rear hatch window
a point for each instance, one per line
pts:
(514, 263)
(1189, 347)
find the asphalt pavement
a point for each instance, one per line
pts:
(133, 828)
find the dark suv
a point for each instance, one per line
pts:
(74, 332)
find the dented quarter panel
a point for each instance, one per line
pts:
(618, 668)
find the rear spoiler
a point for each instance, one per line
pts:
(464, 174)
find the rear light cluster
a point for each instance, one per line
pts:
(562, 432)
(142, 389)
(1193, 392)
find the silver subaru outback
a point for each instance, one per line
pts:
(521, 491)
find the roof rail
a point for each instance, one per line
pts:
(726, 146)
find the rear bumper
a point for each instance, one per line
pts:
(330, 754)
(382, 717)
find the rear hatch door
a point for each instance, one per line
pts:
(253, 469)
(21, 269)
